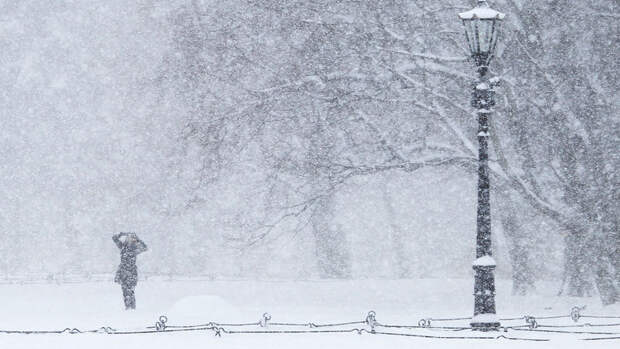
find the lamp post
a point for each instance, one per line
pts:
(481, 31)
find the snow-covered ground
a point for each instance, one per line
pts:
(93, 305)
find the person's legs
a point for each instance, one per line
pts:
(129, 297)
(132, 297)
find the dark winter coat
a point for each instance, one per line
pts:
(127, 273)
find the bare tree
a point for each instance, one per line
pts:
(387, 78)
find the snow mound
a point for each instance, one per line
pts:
(484, 261)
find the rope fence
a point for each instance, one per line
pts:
(370, 325)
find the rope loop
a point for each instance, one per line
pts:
(531, 321)
(160, 325)
(575, 313)
(71, 330)
(424, 323)
(218, 331)
(371, 320)
(105, 329)
(263, 322)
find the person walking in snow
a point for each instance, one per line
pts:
(127, 273)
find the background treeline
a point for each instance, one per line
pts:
(297, 139)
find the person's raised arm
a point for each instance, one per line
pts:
(117, 240)
(141, 246)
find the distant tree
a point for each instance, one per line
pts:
(560, 129)
(387, 80)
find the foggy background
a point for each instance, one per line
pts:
(332, 139)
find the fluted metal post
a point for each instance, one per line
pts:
(484, 265)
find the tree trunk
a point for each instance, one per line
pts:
(331, 245)
(577, 280)
(400, 262)
(604, 280)
(605, 263)
(522, 273)
(523, 280)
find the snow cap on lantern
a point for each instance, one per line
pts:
(482, 11)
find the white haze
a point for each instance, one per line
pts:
(94, 141)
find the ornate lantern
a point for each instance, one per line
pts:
(481, 30)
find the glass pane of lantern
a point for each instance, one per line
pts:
(485, 35)
(475, 33)
(495, 34)
(469, 34)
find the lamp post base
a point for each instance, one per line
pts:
(485, 318)
(485, 326)
(485, 322)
